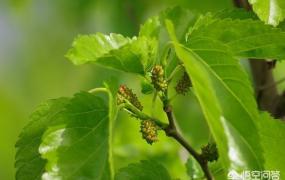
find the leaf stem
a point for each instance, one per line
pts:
(141, 115)
(173, 73)
(96, 90)
(153, 102)
(165, 54)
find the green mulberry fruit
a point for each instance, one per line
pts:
(210, 152)
(125, 93)
(149, 131)
(184, 84)
(157, 77)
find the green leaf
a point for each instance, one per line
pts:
(70, 134)
(270, 11)
(202, 86)
(80, 149)
(86, 48)
(272, 133)
(237, 13)
(29, 163)
(148, 170)
(246, 38)
(181, 18)
(194, 170)
(213, 70)
(236, 98)
(146, 87)
(217, 169)
(115, 51)
(150, 28)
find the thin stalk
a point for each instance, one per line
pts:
(165, 54)
(174, 72)
(96, 90)
(153, 103)
(141, 115)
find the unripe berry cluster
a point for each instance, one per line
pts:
(149, 131)
(210, 152)
(184, 84)
(125, 93)
(157, 77)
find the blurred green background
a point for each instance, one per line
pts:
(34, 37)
